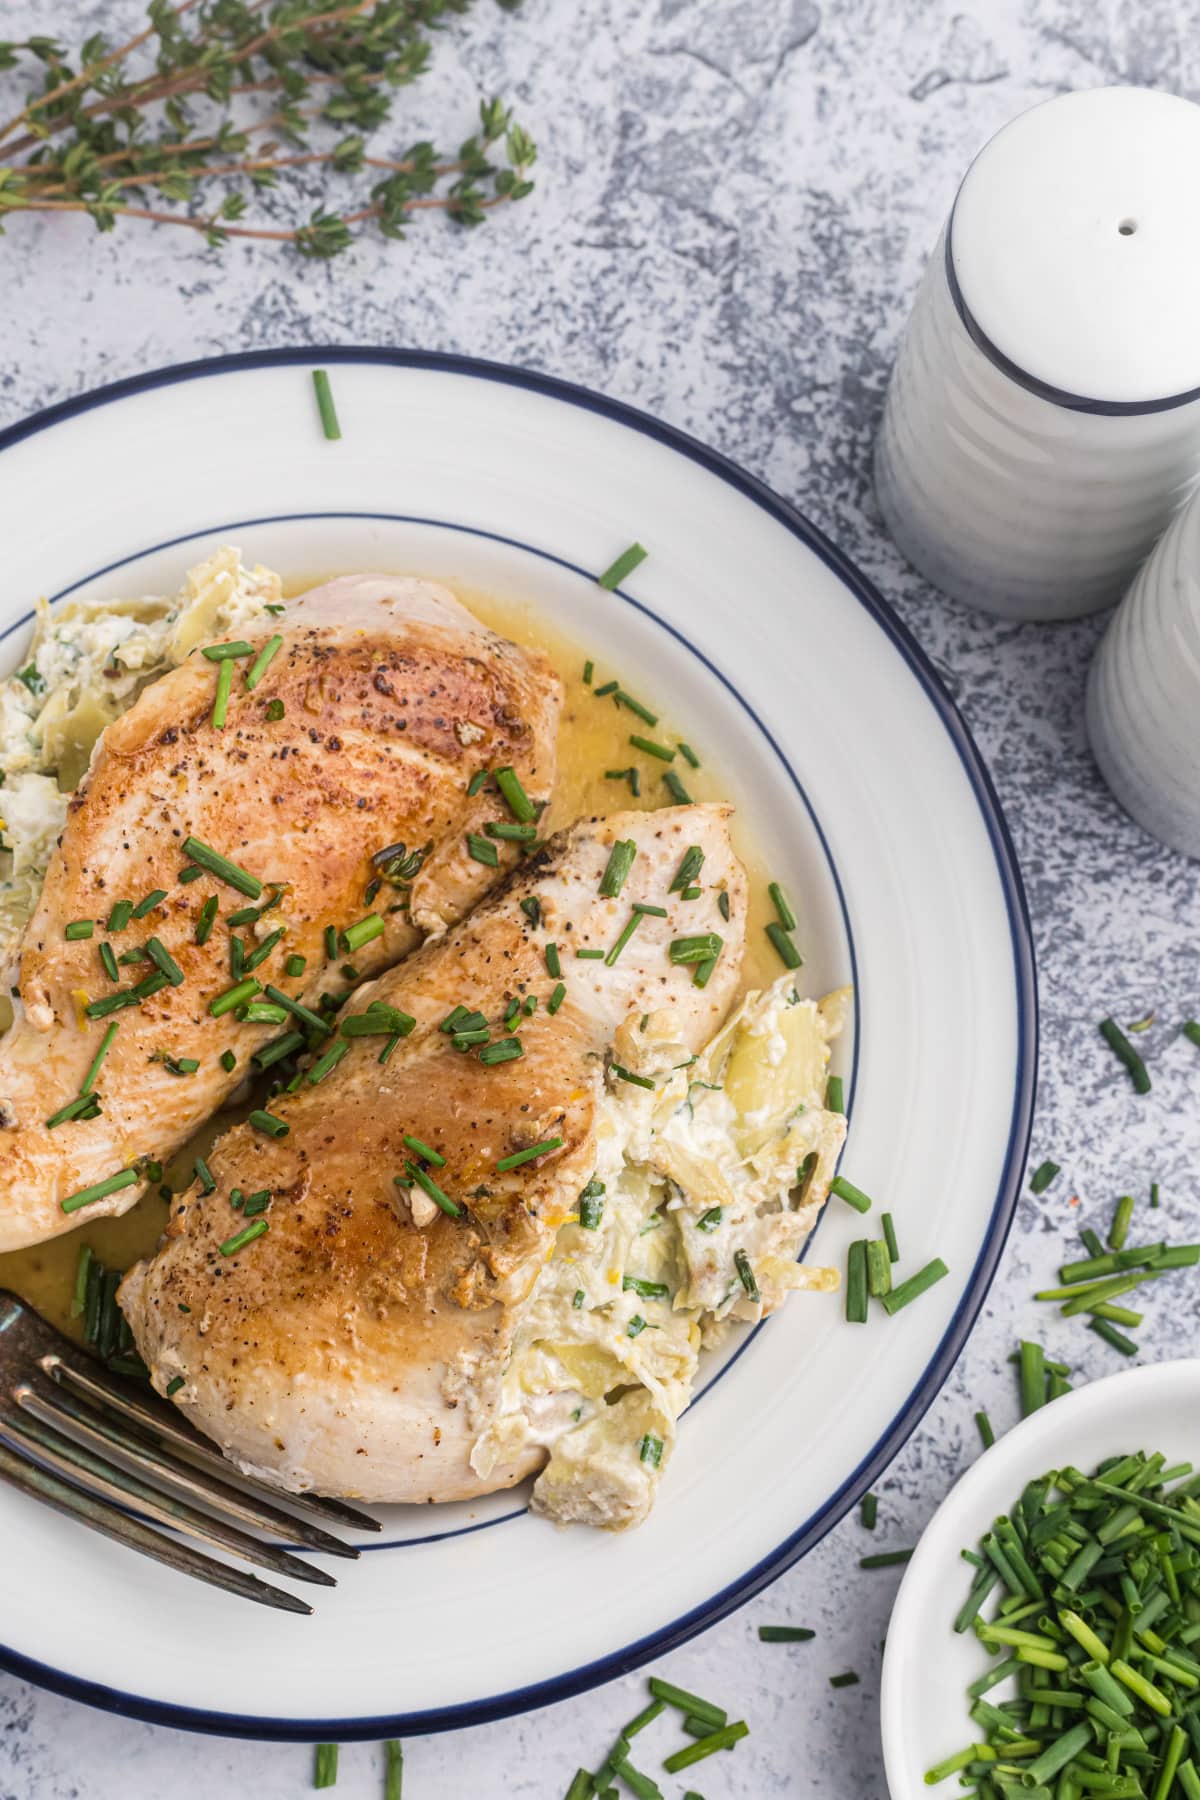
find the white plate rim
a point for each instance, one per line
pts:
(936, 1369)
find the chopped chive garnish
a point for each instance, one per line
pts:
(695, 949)
(723, 903)
(524, 1156)
(654, 912)
(885, 1559)
(509, 833)
(879, 1269)
(275, 711)
(553, 964)
(984, 1427)
(869, 1511)
(100, 1009)
(295, 965)
(232, 1245)
(530, 1005)
(591, 1208)
(621, 698)
(1154, 1193)
(503, 1050)
(688, 870)
(531, 906)
(590, 955)
(425, 1181)
(205, 1177)
(477, 782)
(181, 1065)
(650, 1451)
(588, 671)
(331, 943)
(482, 850)
(264, 950)
(193, 872)
(109, 962)
(221, 701)
(741, 1263)
(83, 1106)
(268, 1124)
(631, 926)
(263, 661)
(149, 903)
(323, 1066)
(857, 1292)
(616, 872)
(610, 687)
(676, 789)
(915, 1285)
(663, 752)
(1033, 1377)
(625, 564)
(645, 1290)
(1121, 1047)
(788, 953)
(889, 1237)
(785, 1634)
(245, 915)
(100, 1190)
(120, 916)
(237, 995)
(173, 1386)
(228, 1061)
(636, 1326)
(303, 1013)
(79, 928)
(708, 1221)
(277, 1049)
(228, 872)
(779, 901)
(378, 1021)
(556, 999)
(688, 754)
(516, 799)
(364, 931)
(724, 1739)
(332, 430)
(692, 893)
(204, 924)
(1042, 1176)
(102, 1052)
(834, 1100)
(642, 1081)
(220, 652)
(425, 1152)
(162, 959)
(853, 1196)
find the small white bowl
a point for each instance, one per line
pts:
(926, 1666)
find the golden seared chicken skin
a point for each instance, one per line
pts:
(201, 857)
(351, 1336)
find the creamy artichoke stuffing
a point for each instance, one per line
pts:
(86, 664)
(700, 1220)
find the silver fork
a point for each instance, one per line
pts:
(64, 1417)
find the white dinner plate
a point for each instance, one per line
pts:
(872, 805)
(927, 1666)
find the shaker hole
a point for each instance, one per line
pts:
(1127, 227)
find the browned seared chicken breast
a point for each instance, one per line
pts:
(378, 701)
(415, 1191)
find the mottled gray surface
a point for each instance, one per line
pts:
(736, 197)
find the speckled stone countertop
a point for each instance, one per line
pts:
(735, 201)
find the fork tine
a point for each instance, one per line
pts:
(98, 1515)
(98, 1476)
(93, 1380)
(57, 1403)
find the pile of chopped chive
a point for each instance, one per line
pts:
(707, 1725)
(105, 1327)
(1100, 1611)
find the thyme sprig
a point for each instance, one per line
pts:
(179, 143)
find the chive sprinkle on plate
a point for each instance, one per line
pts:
(625, 564)
(332, 430)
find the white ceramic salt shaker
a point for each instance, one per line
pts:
(1143, 705)
(1043, 419)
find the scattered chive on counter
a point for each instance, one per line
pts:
(1100, 1610)
(1121, 1048)
(1042, 1176)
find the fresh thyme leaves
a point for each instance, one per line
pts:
(177, 138)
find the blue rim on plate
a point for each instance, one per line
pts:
(812, 1530)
